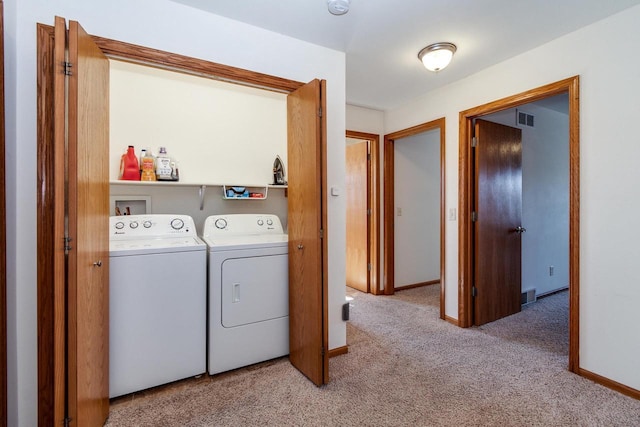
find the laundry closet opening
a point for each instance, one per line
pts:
(306, 133)
(219, 133)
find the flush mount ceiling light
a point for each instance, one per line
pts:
(338, 7)
(437, 56)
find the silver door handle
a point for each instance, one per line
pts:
(300, 246)
(97, 264)
(520, 229)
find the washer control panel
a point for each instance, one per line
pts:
(151, 226)
(242, 225)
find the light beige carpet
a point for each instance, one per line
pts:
(405, 367)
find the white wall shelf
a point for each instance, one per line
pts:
(262, 189)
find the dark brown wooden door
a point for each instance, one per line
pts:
(357, 218)
(88, 223)
(308, 335)
(498, 204)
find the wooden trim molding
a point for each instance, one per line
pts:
(389, 204)
(128, 52)
(417, 285)
(47, 402)
(613, 385)
(388, 219)
(148, 56)
(452, 320)
(373, 201)
(465, 199)
(338, 351)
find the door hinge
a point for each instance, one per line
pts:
(474, 291)
(67, 246)
(368, 266)
(368, 211)
(474, 142)
(67, 68)
(321, 233)
(322, 351)
(474, 216)
(67, 421)
(320, 112)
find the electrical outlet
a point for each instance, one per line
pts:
(551, 270)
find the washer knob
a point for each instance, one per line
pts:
(221, 223)
(269, 221)
(260, 222)
(133, 224)
(147, 224)
(177, 223)
(119, 225)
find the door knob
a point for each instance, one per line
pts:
(97, 264)
(520, 229)
(300, 246)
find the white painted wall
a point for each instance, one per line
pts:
(545, 197)
(417, 208)
(609, 249)
(164, 25)
(170, 199)
(361, 119)
(218, 132)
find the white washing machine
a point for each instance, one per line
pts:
(248, 290)
(158, 301)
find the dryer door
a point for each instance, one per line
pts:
(254, 289)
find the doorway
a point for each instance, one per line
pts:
(390, 208)
(363, 205)
(468, 254)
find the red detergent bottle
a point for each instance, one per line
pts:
(129, 166)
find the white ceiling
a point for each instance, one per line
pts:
(381, 38)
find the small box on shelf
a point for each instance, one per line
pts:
(235, 192)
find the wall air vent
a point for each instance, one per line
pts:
(528, 296)
(524, 119)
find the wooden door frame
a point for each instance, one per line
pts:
(389, 202)
(466, 253)
(373, 203)
(50, 379)
(3, 240)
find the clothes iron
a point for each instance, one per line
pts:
(278, 172)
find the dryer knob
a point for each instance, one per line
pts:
(269, 222)
(177, 224)
(119, 225)
(147, 224)
(133, 224)
(221, 223)
(260, 222)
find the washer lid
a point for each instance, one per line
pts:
(155, 246)
(226, 243)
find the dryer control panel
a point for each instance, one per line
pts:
(150, 226)
(242, 225)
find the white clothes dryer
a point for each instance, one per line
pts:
(248, 290)
(158, 301)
